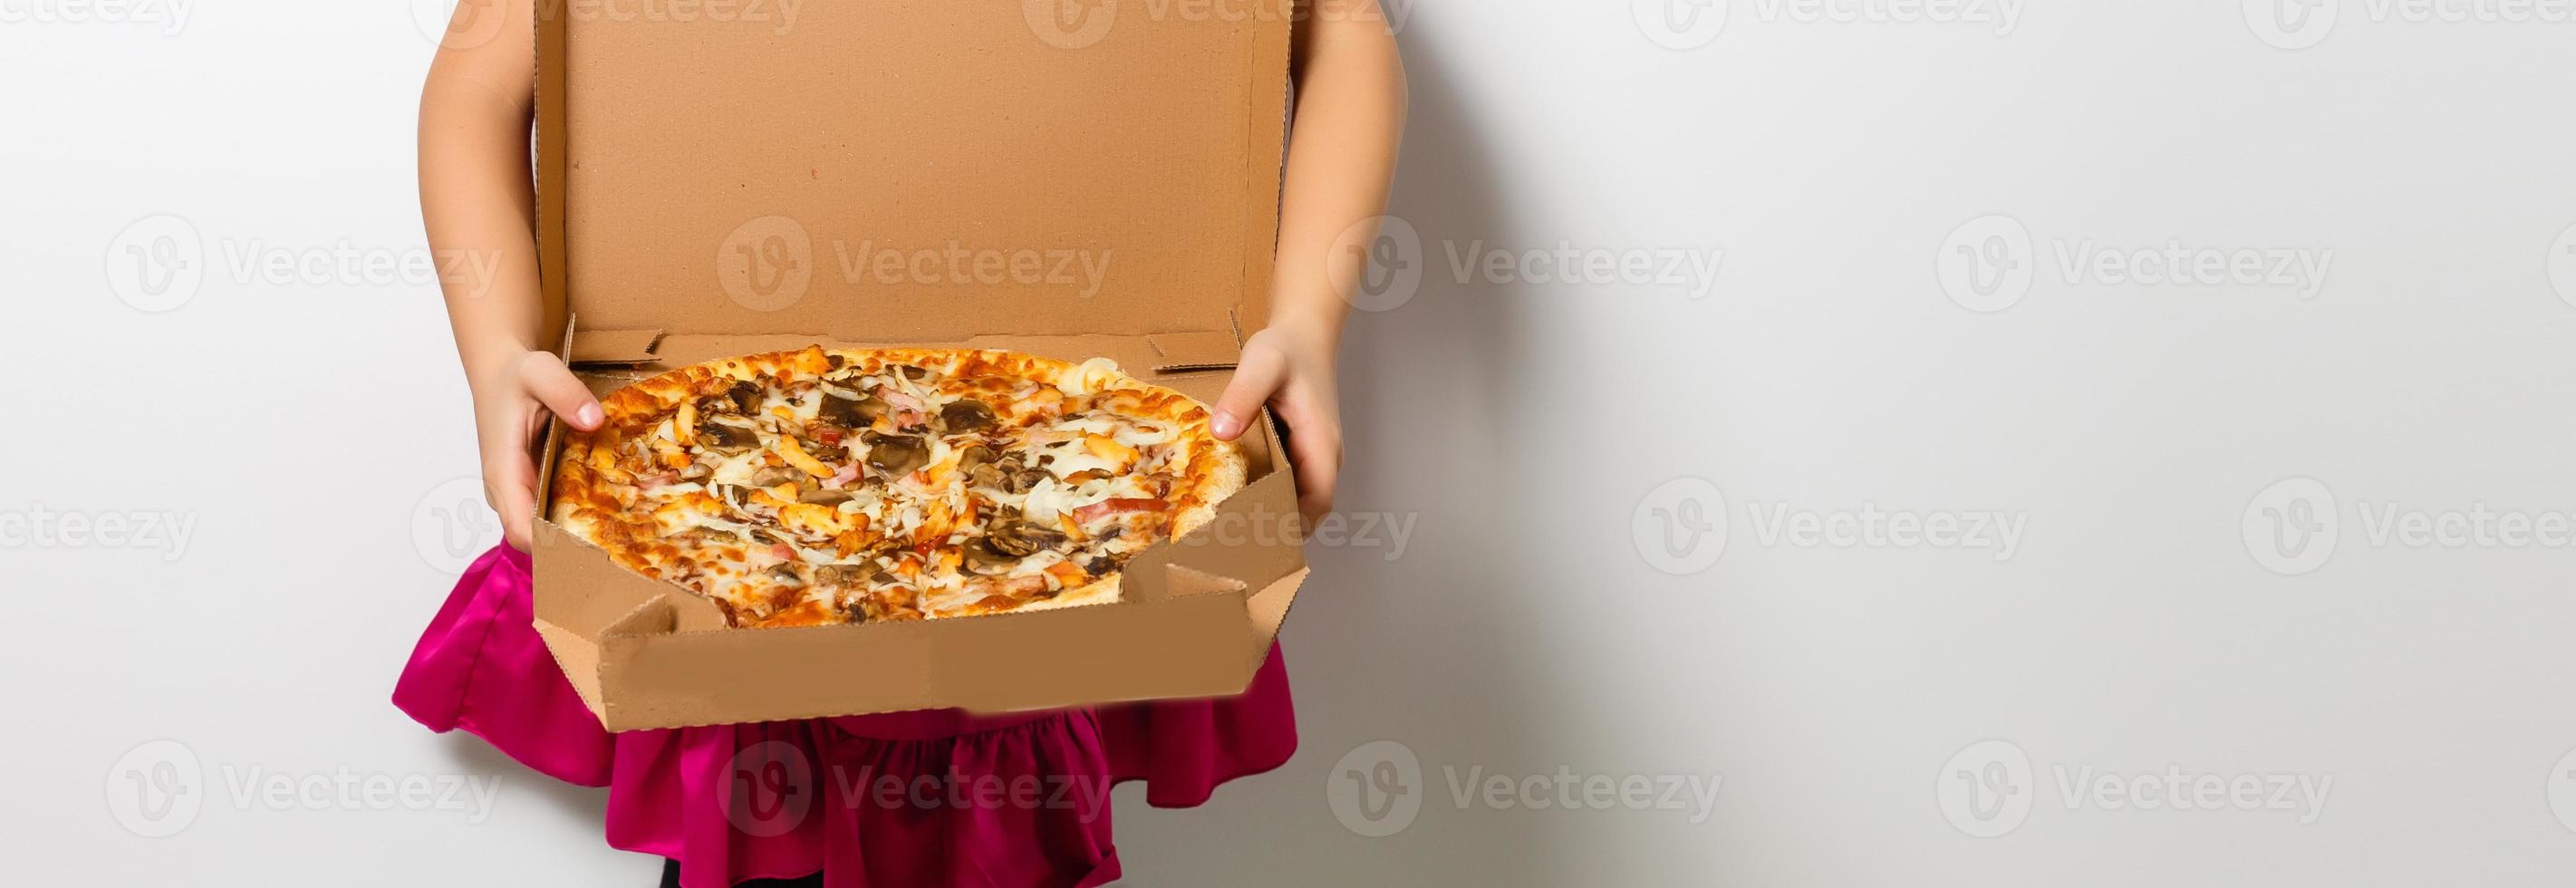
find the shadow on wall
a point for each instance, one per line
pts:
(1395, 647)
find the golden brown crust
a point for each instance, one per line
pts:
(628, 486)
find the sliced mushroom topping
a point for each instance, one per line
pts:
(745, 395)
(787, 573)
(896, 455)
(824, 497)
(773, 476)
(1099, 564)
(983, 558)
(842, 574)
(911, 372)
(725, 438)
(830, 453)
(966, 415)
(1024, 480)
(1011, 534)
(850, 409)
(973, 456)
(987, 476)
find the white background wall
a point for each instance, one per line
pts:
(1550, 611)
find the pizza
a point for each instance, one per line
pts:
(824, 486)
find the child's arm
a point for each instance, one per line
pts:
(1341, 158)
(478, 202)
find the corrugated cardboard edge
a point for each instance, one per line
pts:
(553, 170)
(1267, 137)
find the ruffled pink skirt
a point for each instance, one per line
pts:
(932, 798)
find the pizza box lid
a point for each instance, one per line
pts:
(909, 170)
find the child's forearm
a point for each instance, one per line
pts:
(1341, 159)
(478, 201)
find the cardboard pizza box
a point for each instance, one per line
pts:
(925, 172)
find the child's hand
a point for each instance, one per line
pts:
(1291, 368)
(511, 403)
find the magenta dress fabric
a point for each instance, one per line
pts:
(932, 798)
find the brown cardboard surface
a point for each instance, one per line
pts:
(708, 190)
(720, 178)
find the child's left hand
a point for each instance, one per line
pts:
(1290, 367)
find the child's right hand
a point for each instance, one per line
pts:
(511, 402)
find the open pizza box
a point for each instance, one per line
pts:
(926, 172)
